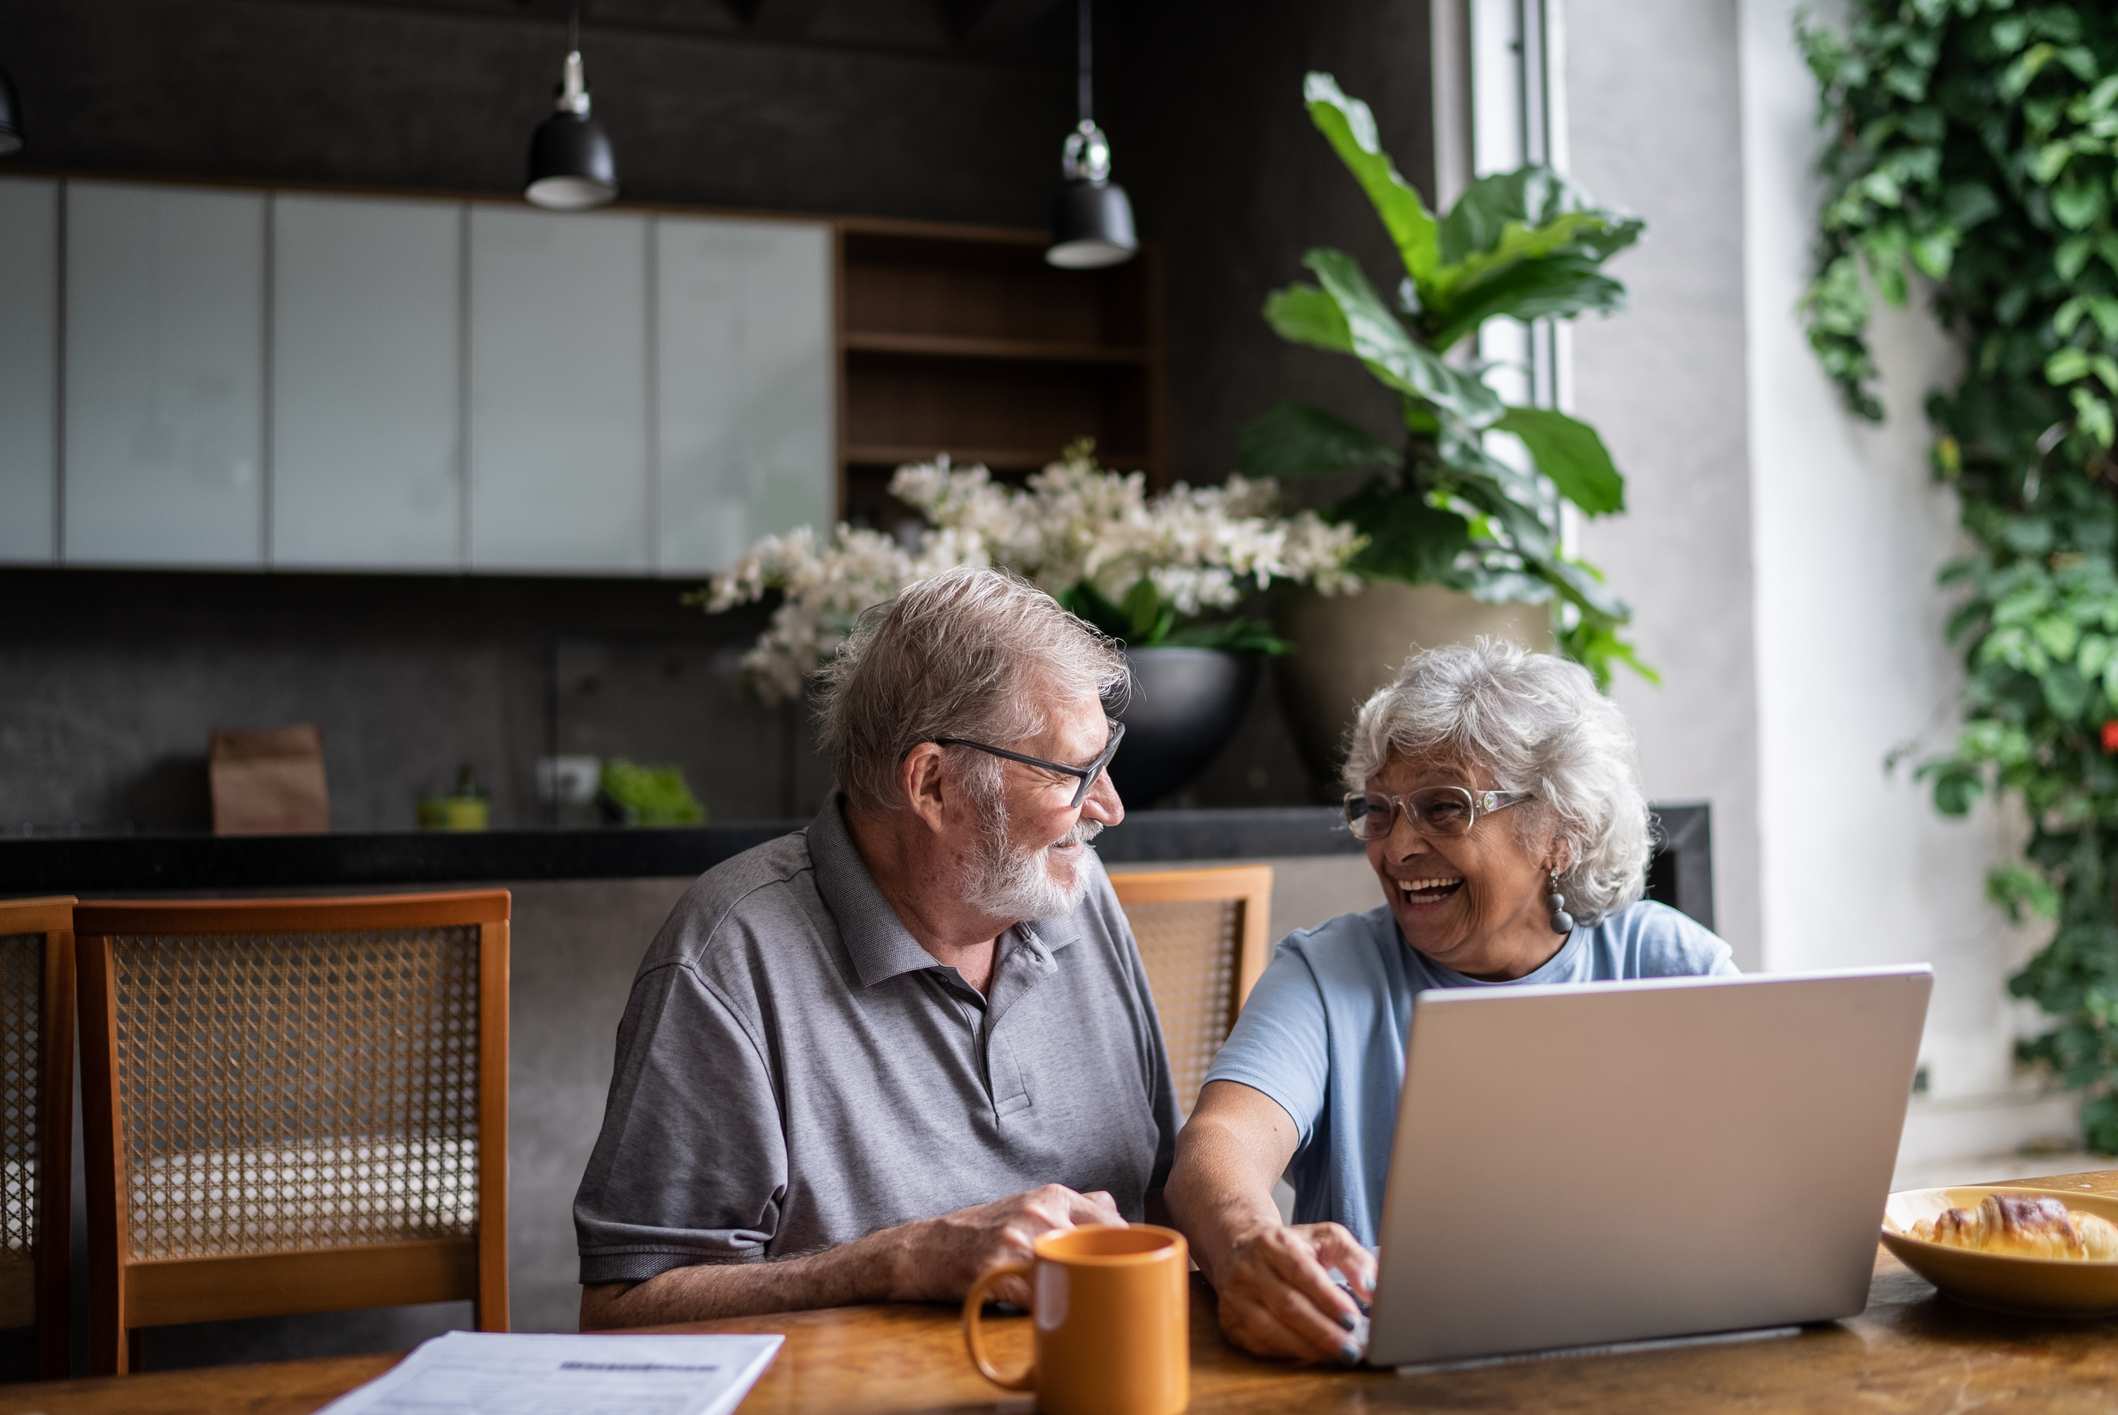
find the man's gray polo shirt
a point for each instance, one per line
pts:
(795, 1071)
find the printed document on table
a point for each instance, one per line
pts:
(520, 1373)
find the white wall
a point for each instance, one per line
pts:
(1850, 528)
(1653, 125)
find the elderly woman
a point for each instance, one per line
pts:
(1501, 804)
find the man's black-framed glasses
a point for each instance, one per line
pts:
(1433, 810)
(1086, 774)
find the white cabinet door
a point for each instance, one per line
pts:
(558, 427)
(29, 369)
(367, 358)
(744, 387)
(165, 353)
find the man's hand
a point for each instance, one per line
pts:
(932, 1260)
(939, 1259)
(1277, 1301)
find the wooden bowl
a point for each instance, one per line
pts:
(2022, 1287)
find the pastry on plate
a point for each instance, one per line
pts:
(2022, 1226)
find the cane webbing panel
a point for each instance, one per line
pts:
(21, 1087)
(1189, 950)
(293, 1091)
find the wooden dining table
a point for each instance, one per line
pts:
(1912, 1352)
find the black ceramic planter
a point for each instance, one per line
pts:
(1185, 705)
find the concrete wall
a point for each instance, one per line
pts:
(1654, 126)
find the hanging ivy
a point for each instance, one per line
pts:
(1973, 146)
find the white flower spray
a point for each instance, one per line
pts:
(1201, 549)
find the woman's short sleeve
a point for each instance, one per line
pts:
(1281, 1042)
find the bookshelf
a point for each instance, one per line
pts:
(960, 339)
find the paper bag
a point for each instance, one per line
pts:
(269, 783)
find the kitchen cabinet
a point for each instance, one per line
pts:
(367, 396)
(199, 376)
(165, 376)
(29, 370)
(559, 474)
(743, 389)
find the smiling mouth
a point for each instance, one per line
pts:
(1428, 891)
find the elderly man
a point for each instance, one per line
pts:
(869, 1060)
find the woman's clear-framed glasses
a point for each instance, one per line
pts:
(1086, 774)
(1443, 811)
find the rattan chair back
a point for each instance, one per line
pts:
(36, 1123)
(293, 1106)
(1203, 939)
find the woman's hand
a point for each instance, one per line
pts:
(1277, 1299)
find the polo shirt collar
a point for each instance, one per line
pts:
(876, 939)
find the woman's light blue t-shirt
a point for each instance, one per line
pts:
(1324, 1032)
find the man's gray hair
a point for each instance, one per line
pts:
(972, 653)
(1538, 725)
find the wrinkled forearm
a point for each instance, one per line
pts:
(865, 1270)
(1218, 1195)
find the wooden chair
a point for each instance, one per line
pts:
(292, 1105)
(37, 1124)
(1203, 936)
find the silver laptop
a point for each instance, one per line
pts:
(1614, 1162)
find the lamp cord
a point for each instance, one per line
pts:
(573, 27)
(1086, 65)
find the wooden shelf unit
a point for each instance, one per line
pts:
(961, 339)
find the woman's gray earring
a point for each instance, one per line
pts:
(1562, 921)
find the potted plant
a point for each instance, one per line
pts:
(1459, 508)
(1165, 574)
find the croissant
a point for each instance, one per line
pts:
(2022, 1227)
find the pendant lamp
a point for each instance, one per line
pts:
(10, 116)
(571, 167)
(1092, 222)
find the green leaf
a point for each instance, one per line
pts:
(1966, 204)
(1303, 314)
(2059, 635)
(2094, 415)
(1390, 353)
(1560, 287)
(1296, 439)
(2077, 205)
(1243, 636)
(2066, 365)
(1531, 211)
(1349, 125)
(2051, 160)
(1933, 254)
(1085, 601)
(1511, 221)
(1407, 538)
(1571, 454)
(1143, 610)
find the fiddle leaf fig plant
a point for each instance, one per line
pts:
(1974, 147)
(1438, 504)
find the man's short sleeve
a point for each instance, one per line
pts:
(1280, 1043)
(691, 1164)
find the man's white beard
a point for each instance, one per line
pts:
(1010, 881)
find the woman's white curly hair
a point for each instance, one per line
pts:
(1537, 724)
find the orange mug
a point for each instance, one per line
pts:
(1111, 1309)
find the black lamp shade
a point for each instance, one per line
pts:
(1092, 226)
(570, 165)
(10, 116)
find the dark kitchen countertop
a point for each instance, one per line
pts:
(1681, 874)
(137, 863)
